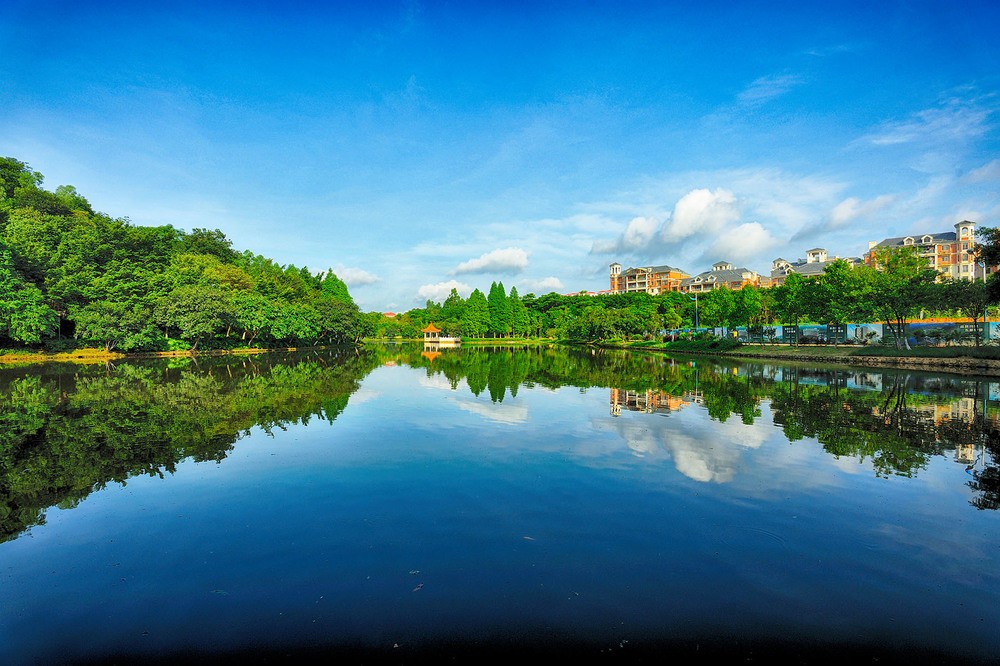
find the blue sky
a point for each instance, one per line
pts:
(413, 147)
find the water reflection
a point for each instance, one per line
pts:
(67, 431)
(897, 422)
(892, 419)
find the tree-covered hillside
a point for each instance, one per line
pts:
(73, 276)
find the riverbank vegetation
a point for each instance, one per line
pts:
(902, 288)
(72, 277)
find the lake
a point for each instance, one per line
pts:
(399, 504)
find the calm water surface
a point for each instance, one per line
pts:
(397, 504)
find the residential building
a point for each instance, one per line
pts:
(723, 274)
(951, 253)
(813, 265)
(650, 279)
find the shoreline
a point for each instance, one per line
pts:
(91, 356)
(960, 364)
(833, 355)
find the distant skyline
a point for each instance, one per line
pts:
(413, 147)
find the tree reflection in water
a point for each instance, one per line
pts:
(67, 431)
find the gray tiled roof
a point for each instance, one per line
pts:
(723, 276)
(814, 268)
(656, 269)
(943, 237)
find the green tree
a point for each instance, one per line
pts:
(670, 306)
(295, 323)
(789, 299)
(32, 237)
(987, 253)
(334, 287)
(196, 312)
(72, 199)
(837, 295)
(476, 317)
(339, 321)
(898, 288)
(252, 314)
(748, 306)
(718, 307)
(206, 241)
(520, 321)
(124, 325)
(500, 321)
(596, 323)
(15, 174)
(970, 298)
(451, 313)
(24, 315)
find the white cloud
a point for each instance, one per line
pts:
(824, 51)
(842, 215)
(498, 412)
(507, 260)
(956, 120)
(852, 208)
(440, 291)
(439, 382)
(743, 243)
(767, 88)
(546, 285)
(986, 173)
(711, 224)
(355, 277)
(364, 395)
(606, 246)
(701, 211)
(639, 232)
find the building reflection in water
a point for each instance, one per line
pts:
(967, 417)
(648, 401)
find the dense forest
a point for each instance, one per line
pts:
(72, 276)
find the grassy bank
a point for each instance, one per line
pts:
(957, 358)
(83, 356)
(94, 355)
(470, 342)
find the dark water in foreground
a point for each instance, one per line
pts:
(394, 506)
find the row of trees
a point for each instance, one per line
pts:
(498, 314)
(69, 272)
(902, 287)
(502, 314)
